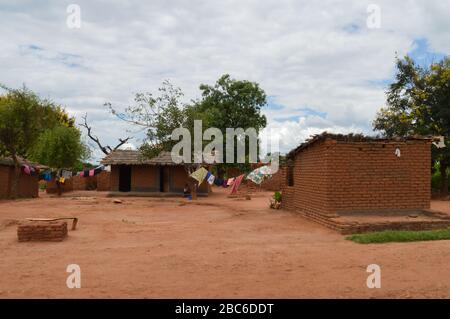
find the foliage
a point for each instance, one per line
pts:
(59, 147)
(277, 196)
(227, 104)
(159, 115)
(233, 103)
(275, 202)
(400, 236)
(23, 116)
(418, 102)
(436, 178)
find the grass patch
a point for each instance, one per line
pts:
(400, 236)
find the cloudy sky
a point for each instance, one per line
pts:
(320, 64)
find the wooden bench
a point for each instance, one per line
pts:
(74, 220)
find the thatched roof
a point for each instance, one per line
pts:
(132, 157)
(353, 138)
(8, 161)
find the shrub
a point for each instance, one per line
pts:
(277, 197)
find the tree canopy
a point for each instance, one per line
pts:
(418, 102)
(23, 117)
(229, 103)
(59, 147)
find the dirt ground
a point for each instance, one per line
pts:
(215, 247)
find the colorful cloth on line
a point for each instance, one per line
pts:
(47, 176)
(210, 178)
(266, 170)
(257, 176)
(230, 181)
(236, 184)
(199, 175)
(66, 174)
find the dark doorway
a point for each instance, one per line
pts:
(163, 179)
(124, 178)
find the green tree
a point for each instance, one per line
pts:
(23, 117)
(418, 102)
(229, 103)
(158, 115)
(60, 147)
(232, 103)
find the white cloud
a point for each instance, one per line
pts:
(306, 54)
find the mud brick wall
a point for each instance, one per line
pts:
(28, 185)
(42, 231)
(309, 192)
(103, 181)
(275, 182)
(369, 176)
(5, 183)
(84, 183)
(343, 177)
(66, 187)
(144, 178)
(114, 178)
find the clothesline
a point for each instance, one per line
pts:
(63, 174)
(257, 176)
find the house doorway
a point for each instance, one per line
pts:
(163, 179)
(125, 178)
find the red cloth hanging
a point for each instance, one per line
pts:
(236, 184)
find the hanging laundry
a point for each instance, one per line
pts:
(236, 184)
(257, 175)
(210, 178)
(66, 174)
(86, 173)
(26, 169)
(199, 175)
(47, 176)
(230, 181)
(218, 181)
(265, 170)
(91, 172)
(62, 180)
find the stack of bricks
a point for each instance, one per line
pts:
(42, 231)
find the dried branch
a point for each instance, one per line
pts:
(105, 149)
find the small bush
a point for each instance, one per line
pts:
(277, 197)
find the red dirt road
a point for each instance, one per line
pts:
(215, 247)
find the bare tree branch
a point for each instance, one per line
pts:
(105, 149)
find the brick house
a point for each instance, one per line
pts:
(28, 185)
(345, 174)
(130, 172)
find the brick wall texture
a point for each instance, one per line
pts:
(103, 181)
(28, 185)
(66, 187)
(84, 183)
(340, 177)
(42, 231)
